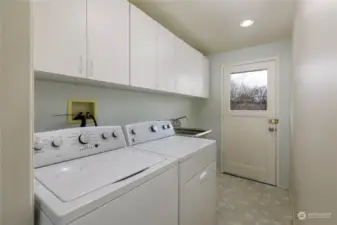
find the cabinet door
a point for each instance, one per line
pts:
(108, 41)
(206, 77)
(166, 66)
(60, 37)
(195, 73)
(143, 50)
(182, 61)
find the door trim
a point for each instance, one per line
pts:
(225, 72)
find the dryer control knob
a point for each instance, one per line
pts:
(164, 127)
(84, 139)
(154, 128)
(133, 132)
(57, 142)
(105, 135)
(38, 146)
(114, 135)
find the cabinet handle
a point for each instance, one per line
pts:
(80, 66)
(203, 176)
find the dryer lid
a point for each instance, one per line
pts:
(73, 179)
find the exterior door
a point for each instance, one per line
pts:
(249, 121)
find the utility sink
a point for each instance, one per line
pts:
(192, 132)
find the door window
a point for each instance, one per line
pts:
(249, 90)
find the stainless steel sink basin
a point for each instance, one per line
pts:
(192, 132)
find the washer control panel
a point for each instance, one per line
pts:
(143, 132)
(62, 145)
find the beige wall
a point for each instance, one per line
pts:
(16, 190)
(314, 96)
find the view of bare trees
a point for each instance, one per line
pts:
(247, 96)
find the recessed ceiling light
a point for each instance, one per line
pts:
(246, 23)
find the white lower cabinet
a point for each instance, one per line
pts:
(199, 198)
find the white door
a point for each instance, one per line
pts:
(108, 41)
(249, 137)
(143, 46)
(60, 37)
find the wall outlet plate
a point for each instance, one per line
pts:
(81, 105)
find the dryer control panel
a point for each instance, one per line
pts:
(62, 145)
(148, 131)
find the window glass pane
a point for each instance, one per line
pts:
(249, 90)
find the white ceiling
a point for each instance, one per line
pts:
(213, 26)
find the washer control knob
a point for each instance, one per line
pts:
(114, 135)
(164, 127)
(105, 135)
(133, 132)
(154, 128)
(168, 126)
(84, 139)
(38, 146)
(57, 142)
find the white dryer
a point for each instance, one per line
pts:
(197, 167)
(87, 176)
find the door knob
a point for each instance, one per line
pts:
(271, 129)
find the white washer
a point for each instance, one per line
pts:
(197, 167)
(86, 176)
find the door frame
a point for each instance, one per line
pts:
(225, 71)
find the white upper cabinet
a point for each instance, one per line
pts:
(206, 77)
(60, 37)
(143, 48)
(189, 70)
(166, 65)
(108, 40)
(115, 42)
(196, 73)
(182, 64)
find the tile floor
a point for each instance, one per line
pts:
(245, 202)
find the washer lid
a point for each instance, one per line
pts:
(176, 146)
(73, 179)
